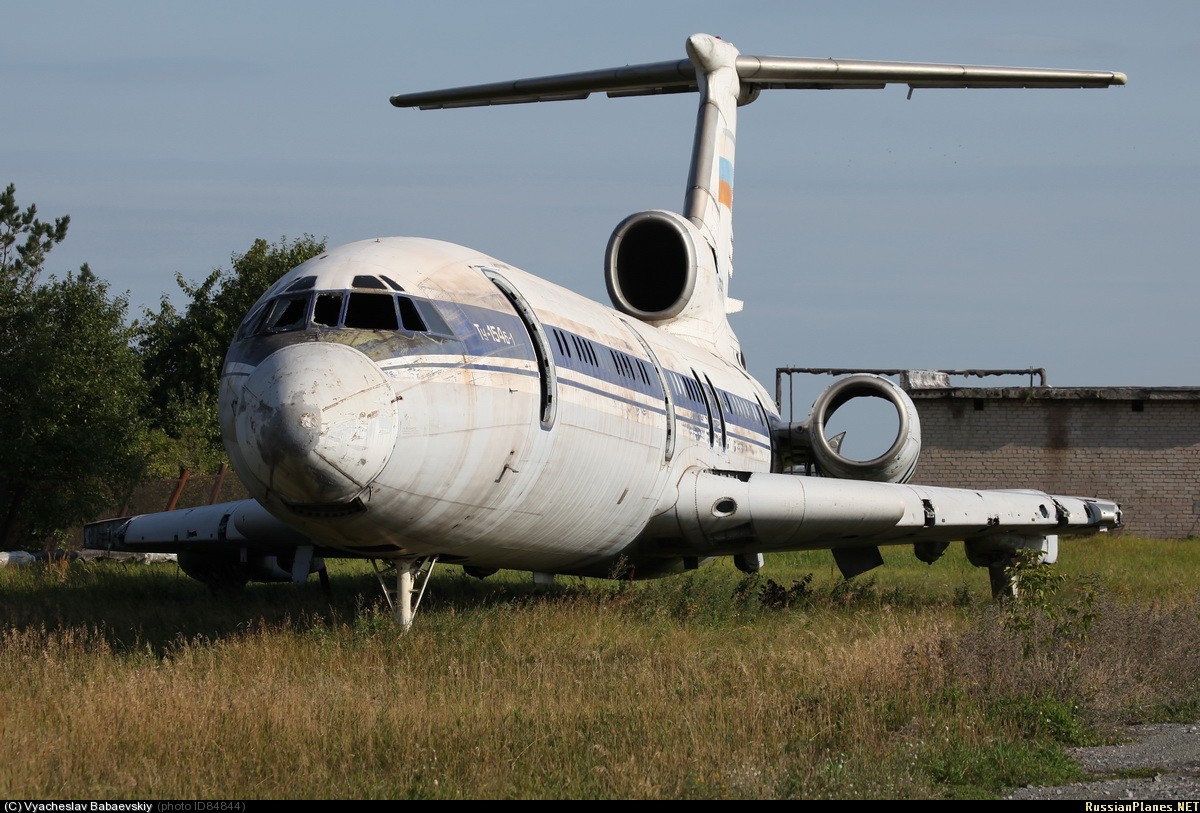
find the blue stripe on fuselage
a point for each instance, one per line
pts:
(488, 333)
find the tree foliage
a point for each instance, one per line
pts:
(183, 351)
(90, 406)
(71, 391)
(25, 240)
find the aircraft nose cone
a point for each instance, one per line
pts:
(316, 423)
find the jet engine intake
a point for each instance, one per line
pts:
(652, 264)
(807, 444)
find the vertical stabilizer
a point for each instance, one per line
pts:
(709, 201)
(708, 204)
(673, 270)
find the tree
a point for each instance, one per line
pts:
(182, 352)
(25, 240)
(71, 391)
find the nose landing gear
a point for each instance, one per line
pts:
(407, 574)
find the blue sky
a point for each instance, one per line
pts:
(961, 228)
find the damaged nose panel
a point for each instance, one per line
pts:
(316, 423)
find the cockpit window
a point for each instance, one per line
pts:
(434, 322)
(303, 284)
(352, 309)
(394, 285)
(328, 310)
(409, 316)
(371, 311)
(363, 281)
(287, 313)
(253, 322)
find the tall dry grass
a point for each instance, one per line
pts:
(135, 683)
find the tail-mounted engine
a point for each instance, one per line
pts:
(655, 265)
(806, 444)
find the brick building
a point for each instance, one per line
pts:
(1137, 446)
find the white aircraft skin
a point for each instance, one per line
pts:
(453, 456)
(412, 401)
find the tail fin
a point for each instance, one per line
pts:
(709, 201)
(679, 267)
(673, 271)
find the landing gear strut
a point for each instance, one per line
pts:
(999, 555)
(408, 573)
(1004, 585)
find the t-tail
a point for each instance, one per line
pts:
(664, 268)
(673, 270)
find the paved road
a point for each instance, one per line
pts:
(1171, 751)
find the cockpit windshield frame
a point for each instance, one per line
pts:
(344, 309)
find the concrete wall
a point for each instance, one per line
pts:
(1138, 446)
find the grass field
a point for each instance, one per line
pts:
(133, 682)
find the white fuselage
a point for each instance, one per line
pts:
(464, 430)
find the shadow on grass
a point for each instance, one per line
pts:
(155, 605)
(138, 606)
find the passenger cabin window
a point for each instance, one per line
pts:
(642, 370)
(585, 350)
(563, 347)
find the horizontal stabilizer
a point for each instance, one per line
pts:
(755, 73)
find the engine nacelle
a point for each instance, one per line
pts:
(227, 570)
(653, 263)
(806, 444)
(224, 545)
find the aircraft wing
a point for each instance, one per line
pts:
(723, 513)
(244, 523)
(756, 73)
